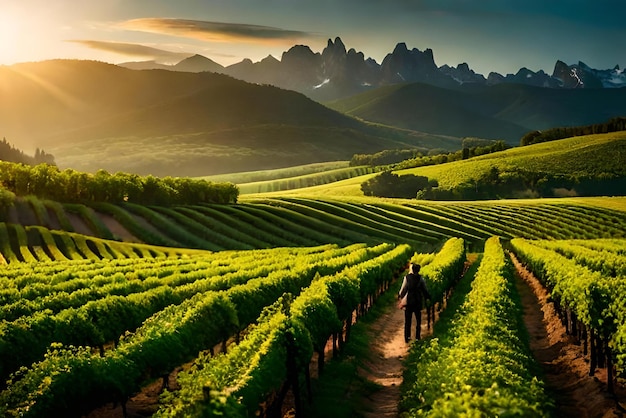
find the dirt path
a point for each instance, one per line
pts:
(566, 370)
(385, 367)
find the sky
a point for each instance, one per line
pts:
(489, 35)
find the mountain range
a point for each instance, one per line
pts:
(338, 72)
(193, 121)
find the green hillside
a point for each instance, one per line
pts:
(598, 159)
(92, 116)
(429, 109)
(276, 174)
(505, 111)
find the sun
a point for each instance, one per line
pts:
(10, 27)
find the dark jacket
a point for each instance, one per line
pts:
(415, 286)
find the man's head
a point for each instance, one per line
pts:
(415, 268)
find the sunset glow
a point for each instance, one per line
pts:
(9, 33)
(480, 34)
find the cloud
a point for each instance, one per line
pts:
(215, 31)
(134, 50)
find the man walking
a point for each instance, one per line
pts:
(414, 288)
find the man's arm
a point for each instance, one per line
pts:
(403, 289)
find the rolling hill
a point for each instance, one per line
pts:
(504, 111)
(92, 115)
(589, 156)
(600, 157)
(134, 292)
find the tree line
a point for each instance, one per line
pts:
(520, 183)
(495, 184)
(412, 158)
(10, 153)
(612, 125)
(48, 182)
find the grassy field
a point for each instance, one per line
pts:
(275, 174)
(578, 156)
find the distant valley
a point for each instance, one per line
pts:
(92, 115)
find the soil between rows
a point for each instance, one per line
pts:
(566, 370)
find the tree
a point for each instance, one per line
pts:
(387, 184)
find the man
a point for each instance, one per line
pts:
(414, 287)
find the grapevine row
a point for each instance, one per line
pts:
(447, 266)
(258, 366)
(600, 259)
(476, 363)
(100, 321)
(68, 380)
(592, 304)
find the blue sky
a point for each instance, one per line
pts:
(489, 35)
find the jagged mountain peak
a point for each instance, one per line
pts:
(337, 71)
(462, 74)
(400, 48)
(337, 44)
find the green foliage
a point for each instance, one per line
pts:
(165, 311)
(309, 180)
(289, 327)
(95, 224)
(476, 363)
(445, 269)
(6, 201)
(39, 209)
(576, 166)
(387, 184)
(585, 277)
(277, 174)
(129, 222)
(197, 229)
(535, 137)
(472, 147)
(248, 372)
(263, 223)
(579, 281)
(47, 181)
(171, 228)
(220, 220)
(386, 157)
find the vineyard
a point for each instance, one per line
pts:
(294, 221)
(242, 302)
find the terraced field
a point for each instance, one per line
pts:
(296, 221)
